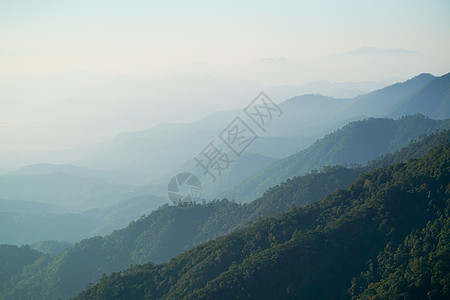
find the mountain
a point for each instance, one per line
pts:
(297, 126)
(432, 100)
(62, 189)
(65, 202)
(241, 168)
(165, 233)
(356, 143)
(23, 206)
(23, 222)
(384, 236)
(413, 150)
(22, 228)
(336, 89)
(14, 260)
(68, 169)
(379, 103)
(423, 255)
(46, 168)
(51, 248)
(171, 230)
(122, 213)
(154, 155)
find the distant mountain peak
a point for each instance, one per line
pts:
(273, 60)
(424, 75)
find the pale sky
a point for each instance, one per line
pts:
(40, 37)
(74, 73)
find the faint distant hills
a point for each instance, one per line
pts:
(155, 154)
(373, 51)
(46, 168)
(23, 206)
(74, 192)
(150, 157)
(28, 221)
(273, 60)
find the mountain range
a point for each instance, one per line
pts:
(247, 179)
(173, 229)
(23, 222)
(384, 236)
(154, 155)
(355, 143)
(348, 191)
(151, 157)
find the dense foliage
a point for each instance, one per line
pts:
(419, 267)
(415, 149)
(171, 230)
(51, 248)
(386, 235)
(168, 232)
(14, 259)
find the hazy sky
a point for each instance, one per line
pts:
(129, 36)
(78, 72)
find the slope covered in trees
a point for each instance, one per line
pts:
(171, 230)
(168, 232)
(414, 149)
(395, 216)
(419, 267)
(14, 259)
(356, 143)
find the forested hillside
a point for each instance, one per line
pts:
(356, 143)
(354, 242)
(14, 259)
(168, 232)
(173, 229)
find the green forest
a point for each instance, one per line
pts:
(384, 236)
(171, 230)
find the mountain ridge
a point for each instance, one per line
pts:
(135, 157)
(332, 240)
(357, 143)
(87, 260)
